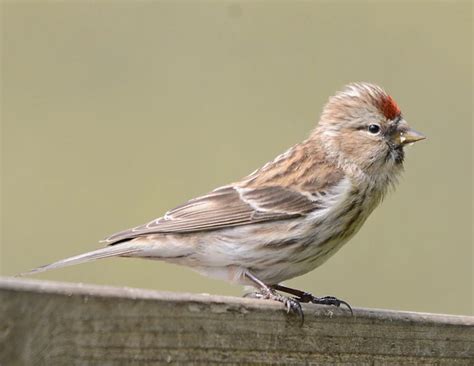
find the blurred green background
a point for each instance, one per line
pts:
(114, 112)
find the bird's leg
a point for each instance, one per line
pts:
(302, 296)
(266, 292)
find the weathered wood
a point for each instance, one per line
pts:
(48, 323)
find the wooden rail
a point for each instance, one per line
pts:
(50, 323)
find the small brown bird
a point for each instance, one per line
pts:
(288, 217)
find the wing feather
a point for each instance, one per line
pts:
(226, 207)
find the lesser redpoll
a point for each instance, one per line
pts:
(288, 217)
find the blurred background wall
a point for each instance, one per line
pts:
(114, 112)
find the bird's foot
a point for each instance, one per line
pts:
(292, 305)
(269, 293)
(306, 297)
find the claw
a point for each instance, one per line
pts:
(347, 306)
(291, 304)
(296, 307)
(330, 300)
(288, 307)
(301, 296)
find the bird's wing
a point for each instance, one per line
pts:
(226, 207)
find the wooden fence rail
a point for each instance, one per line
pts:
(49, 323)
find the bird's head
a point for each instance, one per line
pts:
(364, 126)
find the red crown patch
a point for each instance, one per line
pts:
(389, 108)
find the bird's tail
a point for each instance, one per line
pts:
(123, 249)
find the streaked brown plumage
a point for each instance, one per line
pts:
(291, 215)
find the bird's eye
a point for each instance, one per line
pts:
(374, 129)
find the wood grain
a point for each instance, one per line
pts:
(48, 323)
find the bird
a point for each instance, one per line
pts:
(289, 216)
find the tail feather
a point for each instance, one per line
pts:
(111, 251)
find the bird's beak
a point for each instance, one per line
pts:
(408, 136)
